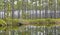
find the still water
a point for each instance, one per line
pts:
(29, 30)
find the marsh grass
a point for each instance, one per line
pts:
(37, 22)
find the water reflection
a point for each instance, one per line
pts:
(29, 30)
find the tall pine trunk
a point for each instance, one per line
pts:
(12, 5)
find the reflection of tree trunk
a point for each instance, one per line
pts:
(12, 32)
(55, 30)
(19, 32)
(46, 31)
(43, 30)
(6, 33)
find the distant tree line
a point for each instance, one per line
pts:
(9, 6)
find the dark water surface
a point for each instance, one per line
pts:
(29, 30)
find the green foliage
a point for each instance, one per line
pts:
(1, 5)
(2, 21)
(21, 4)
